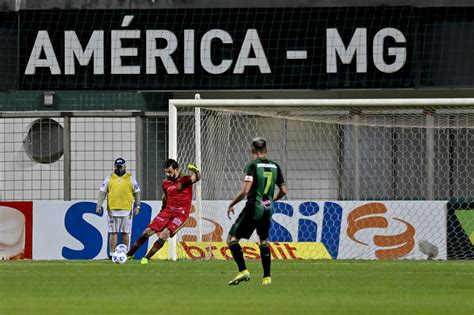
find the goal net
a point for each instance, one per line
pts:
(367, 179)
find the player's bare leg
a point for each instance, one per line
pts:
(126, 239)
(266, 261)
(237, 253)
(162, 237)
(112, 242)
(139, 242)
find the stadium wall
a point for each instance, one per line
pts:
(153, 4)
(437, 68)
(384, 52)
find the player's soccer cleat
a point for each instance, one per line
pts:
(130, 257)
(241, 276)
(144, 261)
(266, 281)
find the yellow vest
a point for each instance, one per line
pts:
(119, 192)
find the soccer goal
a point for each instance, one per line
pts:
(367, 178)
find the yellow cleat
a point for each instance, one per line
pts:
(241, 276)
(266, 281)
(144, 261)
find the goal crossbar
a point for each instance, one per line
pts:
(387, 102)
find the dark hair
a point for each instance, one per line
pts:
(171, 163)
(259, 144)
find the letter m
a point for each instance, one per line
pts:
(72, 47)
(335, 46)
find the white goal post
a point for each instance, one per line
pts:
(380, 102)
(367, 118)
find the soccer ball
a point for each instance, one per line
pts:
(119, 257)
(121, 248)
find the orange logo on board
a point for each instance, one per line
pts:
(369, 216)
(214, 236)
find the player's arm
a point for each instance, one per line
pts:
(280, 182)
(102, 195)
(196, 174)
(100, 201)
(282, 191)
(239, 197)
(163, 201)
(246, 185)
(136, 196)
(164, 198)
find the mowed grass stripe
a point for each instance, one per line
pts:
(200, 287)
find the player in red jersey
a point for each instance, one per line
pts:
(177, 198)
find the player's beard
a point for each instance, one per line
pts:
(120, 172)
(173, 178)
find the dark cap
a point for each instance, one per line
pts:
(119, 162)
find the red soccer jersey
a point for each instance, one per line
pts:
(179, 193)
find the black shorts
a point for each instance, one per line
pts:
(246, 224)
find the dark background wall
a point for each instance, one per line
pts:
(11, 5)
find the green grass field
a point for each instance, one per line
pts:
(200, 287)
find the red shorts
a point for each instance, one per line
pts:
(171, 220)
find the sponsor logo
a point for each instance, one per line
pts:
(16, 227)
(267, 165)
(371, 216)
(177, 221)
(215, 235)
(371, 228)
(466, 218)
(251, 250)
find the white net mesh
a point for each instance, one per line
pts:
(32, 155)
(364, 182)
